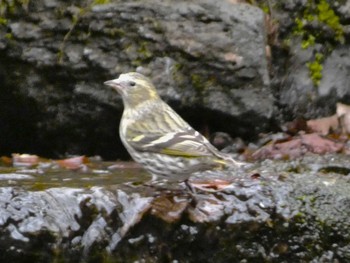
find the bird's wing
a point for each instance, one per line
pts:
(164, 131)
(188, 143)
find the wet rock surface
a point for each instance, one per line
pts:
(274, 211)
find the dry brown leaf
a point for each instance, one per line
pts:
(73, 163)
(6, 160)
(24, 159)
(295, 126)
(216, 184)
(285, 150)
(297, 147)
(324, 125)
(317, 144)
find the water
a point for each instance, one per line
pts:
(46, 175)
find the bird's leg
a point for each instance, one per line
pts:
(192, 192)
(190, 187)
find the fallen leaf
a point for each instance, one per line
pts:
(317, 144)
(24, 160)
(297, 147)
(73, 163)
(6, 160)
(295, 126)
(285, 150)
(325, 125)
(216, 184)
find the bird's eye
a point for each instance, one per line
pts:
(132, 83)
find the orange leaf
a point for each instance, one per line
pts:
(24, 159)
(324, 125)
(73, 163)
(6, 160)
(216, 184)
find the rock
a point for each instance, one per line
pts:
(274, 215)
(298, 46)
(25, 31)
(335, 80)
(201, 55)
(300, 95)
(344, 10)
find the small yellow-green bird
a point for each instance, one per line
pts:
(157, 137)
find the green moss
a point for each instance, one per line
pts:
(265, 8)
(196, 81)
(3, 21)
(200, 82)
(315, 69)
(309, 42)
(327, 15)
(136, 63)
(144, 51)
(39, 186)
(9, 36)
(313, 24)
(178, 67)
(113, 32)
(299, 26)
(299, 215)
(157, 27)
(100, 2)
(12, 6)
(320, 12)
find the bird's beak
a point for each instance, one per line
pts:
(115, 84)
(112, 83)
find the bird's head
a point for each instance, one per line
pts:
(134, 88)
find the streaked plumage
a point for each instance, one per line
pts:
(157, 137)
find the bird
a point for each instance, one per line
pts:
(157, 137)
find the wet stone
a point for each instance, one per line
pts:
(272, 210)
(40, 56)
(25, 31)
